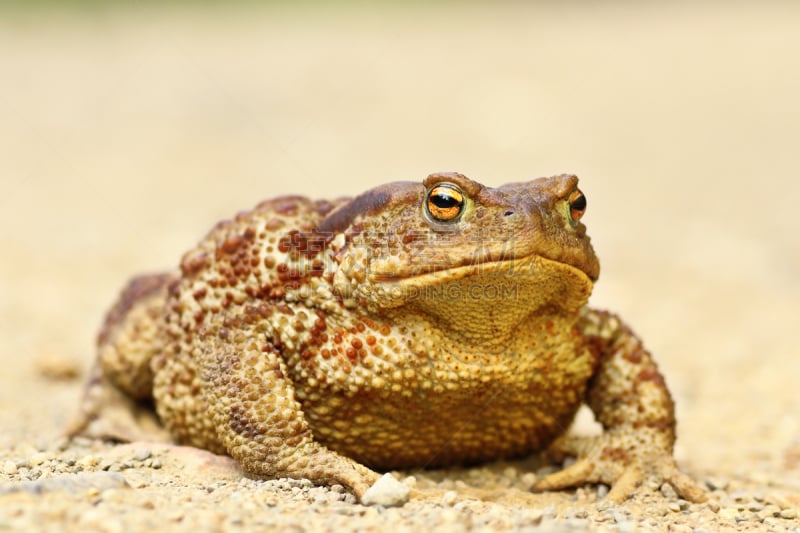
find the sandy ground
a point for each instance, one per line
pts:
(124, 134)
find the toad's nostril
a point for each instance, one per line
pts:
(508, 213)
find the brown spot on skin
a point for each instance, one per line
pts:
(232, 243)
(287, 205)
(274, 224)
(634, 357)
(308, 244)
(614, 454)
(285, 309)
(193, 263)
(277, 293)
(650, 374)
(661, 424)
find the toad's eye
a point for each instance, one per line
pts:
(577, 205)
(445, 202)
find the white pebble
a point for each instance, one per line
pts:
(10, 467)
(449, 498)
(387, 491)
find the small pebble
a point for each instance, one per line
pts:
(39, 458)
(789, 514)
(755, 506)
(528, 479)
(387, 491)
(449, 498)
(770, 510)
(605, 505)
(668, 491)
(142, 454)
(10, 467)
(88, 461)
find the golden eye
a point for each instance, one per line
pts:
(577, 205)
(445, 202)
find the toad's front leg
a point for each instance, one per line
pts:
(630, 399)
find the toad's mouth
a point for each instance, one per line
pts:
(440, 268)
(525, 283)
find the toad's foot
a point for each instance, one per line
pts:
(622, 461)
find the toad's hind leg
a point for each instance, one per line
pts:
(117, 400)
(261, 423)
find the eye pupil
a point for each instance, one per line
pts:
(577, 205)
(445, 202)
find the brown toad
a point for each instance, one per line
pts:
(418, 324)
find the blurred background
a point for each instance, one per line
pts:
(128, 129)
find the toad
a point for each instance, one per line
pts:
(416, 325)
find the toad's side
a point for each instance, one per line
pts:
(419, 324)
